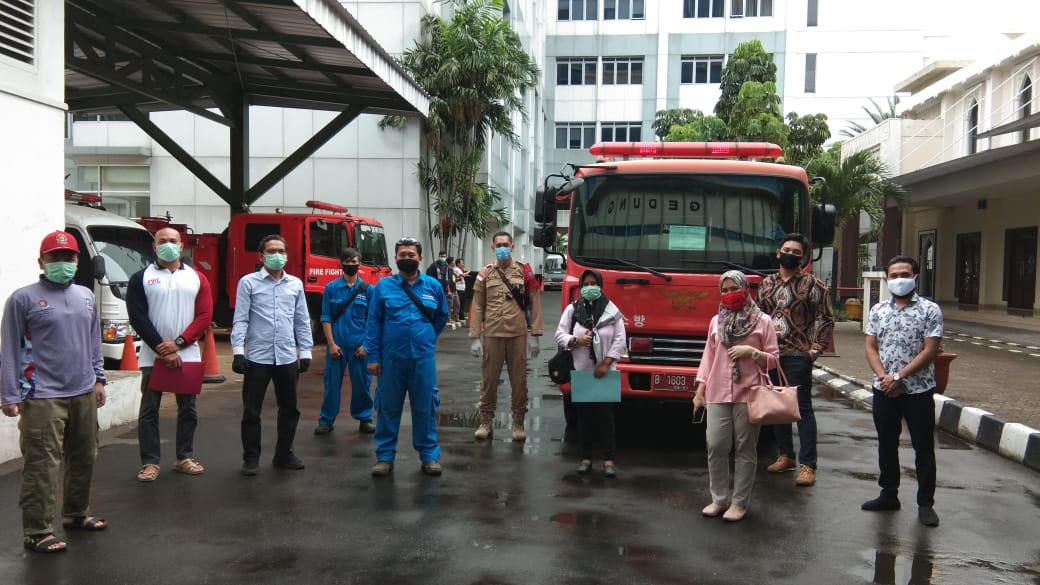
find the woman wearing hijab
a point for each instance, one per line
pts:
(593, 329)
(741, 344)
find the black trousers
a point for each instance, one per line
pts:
(148, 422)
(918, 410)
(254, 387)
(593, 417)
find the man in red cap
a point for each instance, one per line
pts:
(52, 374)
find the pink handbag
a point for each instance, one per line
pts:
(773, 405)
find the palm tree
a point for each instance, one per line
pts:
(859, 183)
(878, 115)
(476, 70)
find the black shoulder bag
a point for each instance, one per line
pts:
(422, 308)
(562, 364)
(361, 287)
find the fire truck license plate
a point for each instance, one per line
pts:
(677, 382)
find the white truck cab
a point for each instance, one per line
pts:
(112, 248)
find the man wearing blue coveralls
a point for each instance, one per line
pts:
(344, 312)
(406, 313)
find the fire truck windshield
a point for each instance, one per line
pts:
(125, 250)
(372, 244)
(684, 222)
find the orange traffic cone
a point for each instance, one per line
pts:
(210, 367)
(128, 361)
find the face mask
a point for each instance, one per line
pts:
(734, 301)
(350, 269)
(275, 261)
(408, 265)
(591, 292)
(168, 252)
(503, 253)
(901, 287)
(790, 261)
(442, 259)
(60, 272)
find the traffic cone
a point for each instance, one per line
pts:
(128, 361)
(210, 367)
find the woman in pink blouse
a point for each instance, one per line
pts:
(593, 329)
(741, 343)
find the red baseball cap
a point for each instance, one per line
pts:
(55, 241)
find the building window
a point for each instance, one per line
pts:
(703, 8)
(623, 10)
(810, 73)
(18, 30)
(622, 70)
(813, 14)
(621, 131)
(576, 71)
(1024, 105)
(575, 135)
(973, 127)
(124, 190)
(750, 8)
(701, 69)
(577, 10)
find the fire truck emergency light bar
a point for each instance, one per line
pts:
(78, 197)
(314, 204)
(687, 149)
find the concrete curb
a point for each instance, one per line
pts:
(1014, 441)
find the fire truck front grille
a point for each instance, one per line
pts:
(679, 351)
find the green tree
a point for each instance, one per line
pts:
(699, 128)
(805, 137)
(878, 115)
(475, 70)
(665, 119)
(749, 62)
(756, 114)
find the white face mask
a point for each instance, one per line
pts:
(901, 287)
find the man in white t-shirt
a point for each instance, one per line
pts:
(459, 284)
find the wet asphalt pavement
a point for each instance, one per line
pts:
(506, 513)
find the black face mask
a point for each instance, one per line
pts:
(790, 261)
(408, 265)
(350, 269)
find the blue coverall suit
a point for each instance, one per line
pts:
(348, 331)
(403, 341)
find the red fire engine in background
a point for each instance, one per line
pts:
(661, 222)
(314, 241)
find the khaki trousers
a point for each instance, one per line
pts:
(730, 429)
(54, 431)
(512, 351)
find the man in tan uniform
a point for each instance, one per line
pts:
(510, 329)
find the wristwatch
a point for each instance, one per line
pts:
(181, 343)
(815, 353)
(896, 377)
(755, 354)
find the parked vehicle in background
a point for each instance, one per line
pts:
(314, 242)
(554, 268)
(661, 222)
(112, 248)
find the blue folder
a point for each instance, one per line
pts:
(587, 388)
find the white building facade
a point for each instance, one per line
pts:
(32, 96)
(371, 171)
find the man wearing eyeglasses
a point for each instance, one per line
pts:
(507, 310)
(406, 314)
(801, 311)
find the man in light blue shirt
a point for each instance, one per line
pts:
(271, 323)
(406, 313)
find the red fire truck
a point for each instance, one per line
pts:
(314, 241)
(661, 222)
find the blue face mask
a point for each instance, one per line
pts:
(168, 252)
(503, 253)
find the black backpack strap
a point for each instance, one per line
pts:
(422, 308)
(361, 288)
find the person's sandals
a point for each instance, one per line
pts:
(189, 466)
(149, 472)
(88, 523)
(44, 543)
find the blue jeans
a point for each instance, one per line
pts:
(360, 387)
(798, 369)
(418, 379)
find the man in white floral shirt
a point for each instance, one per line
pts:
(903, 338)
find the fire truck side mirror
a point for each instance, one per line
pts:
(824, 218)
(543, 235)
(570, 186)
(98, 264)
(545, 205)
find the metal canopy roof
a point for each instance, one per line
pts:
(196, 54)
